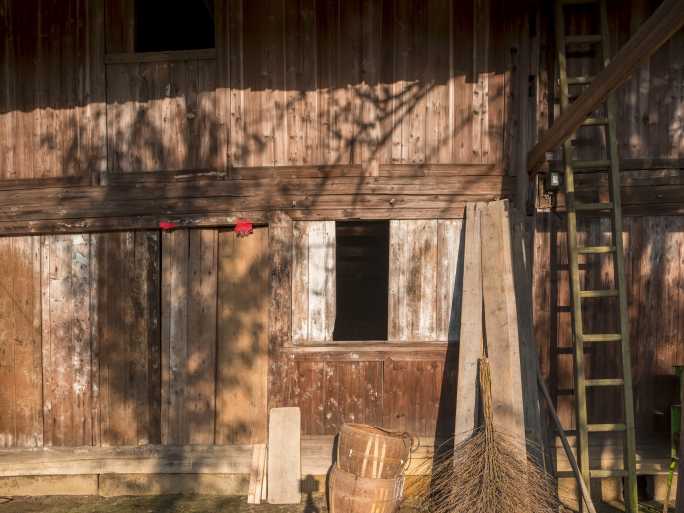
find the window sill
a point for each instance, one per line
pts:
(178, 55)
(369, 350)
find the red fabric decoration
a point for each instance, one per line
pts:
(243, 227)
(167, 225)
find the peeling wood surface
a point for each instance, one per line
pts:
(66, 340)
(313, 281)
(424, 297)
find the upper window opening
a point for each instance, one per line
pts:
(362, 281)
(168, 25)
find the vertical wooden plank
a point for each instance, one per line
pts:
(127, 353)
(313, 280)
(480, 98)
(21, 424)
(397, 278)
(300, 281)
(471, 332)
(200, 367)
(7, 377)
(321, 291)
(152, 296)
(311, 396)
(174, 334)
(413, 280)
(66, 340)
(243, 324)
(449, 279)
(95, 92)
(280, 370)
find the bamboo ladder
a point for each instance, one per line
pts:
(613, 210)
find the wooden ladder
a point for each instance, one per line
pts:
(612, 209)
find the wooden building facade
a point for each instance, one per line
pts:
(351, 134)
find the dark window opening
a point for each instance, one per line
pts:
(362, 281)
(168, 25)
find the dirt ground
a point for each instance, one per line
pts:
(189, 504)
(159, 504)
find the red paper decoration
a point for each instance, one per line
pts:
(243, 227)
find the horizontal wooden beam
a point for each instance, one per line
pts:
(220, 202)
(317, 457)
(663, 23)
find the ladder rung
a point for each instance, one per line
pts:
(598, 293)
(583, 38)
(605, 428)
(593, 206)
(604, 382)
(595, 250)
(582, 80)
(609, 472)
(595, 121)
(590, 164)
(602, 337)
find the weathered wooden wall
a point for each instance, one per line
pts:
(134, 338)
(298, 83)
(323, 110)
(52, 90)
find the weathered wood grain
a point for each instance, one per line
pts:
(202, 314)
(424, 260)
(66, 342)
(471, 339)
(284, 456)
(189, 313)
(21, 423)
(500, 319)
(243, 327)
(127, 337)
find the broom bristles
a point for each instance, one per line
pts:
(489, 472)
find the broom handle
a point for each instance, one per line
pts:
(564, 440)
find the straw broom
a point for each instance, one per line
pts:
(488, 472)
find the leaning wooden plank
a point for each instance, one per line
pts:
(522, 277)
(470, 339)
(262, 481)
(501, 320)
(662, 24)
(284, 457)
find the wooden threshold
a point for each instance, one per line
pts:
(317, 457)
